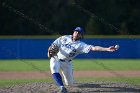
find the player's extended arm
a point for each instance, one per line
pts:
(99, 48)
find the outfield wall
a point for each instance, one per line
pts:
(36, 48)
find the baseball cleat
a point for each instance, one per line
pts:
(63, 90)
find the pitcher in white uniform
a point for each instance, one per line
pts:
(69, 47)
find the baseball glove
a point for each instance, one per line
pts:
(53, 50)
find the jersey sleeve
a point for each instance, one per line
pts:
(85, 48)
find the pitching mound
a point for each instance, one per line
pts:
(81, 87)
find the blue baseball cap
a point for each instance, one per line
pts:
(79, 29)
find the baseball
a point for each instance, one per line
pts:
(117, 46)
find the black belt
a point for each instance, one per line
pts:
(64, 60)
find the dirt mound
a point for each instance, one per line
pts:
(80, 87)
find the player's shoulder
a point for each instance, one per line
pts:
(66, 36)
(81, 43)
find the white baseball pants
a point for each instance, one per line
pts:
(65, 66)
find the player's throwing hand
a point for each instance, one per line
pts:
(112, 49)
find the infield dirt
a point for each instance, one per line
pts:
(37, 75)
(79, 87)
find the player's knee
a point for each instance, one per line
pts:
(54, 70)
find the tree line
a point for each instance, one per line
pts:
(50, 17)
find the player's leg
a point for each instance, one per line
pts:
(55, 66)
(67, 72)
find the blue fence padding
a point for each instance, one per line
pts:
(37, 48)
(129, 48)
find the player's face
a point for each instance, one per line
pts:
(76, 35)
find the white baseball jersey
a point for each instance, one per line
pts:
(69, 48)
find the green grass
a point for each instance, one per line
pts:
(24, 65)
(78, 65)
(134, 80)
(107, 64)
(84, 64)
(5, 83)
(11, 82)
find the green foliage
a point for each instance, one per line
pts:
(47, 17)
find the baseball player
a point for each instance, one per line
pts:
(63, 50)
